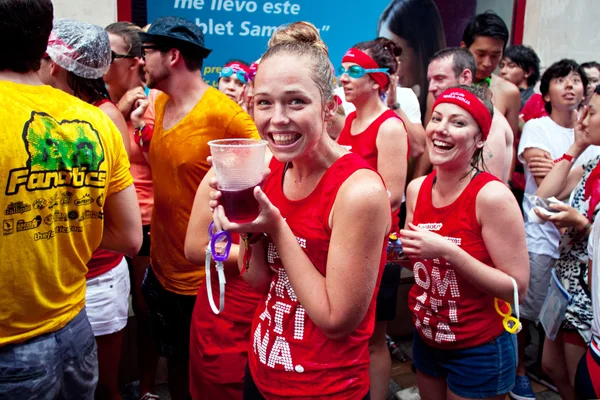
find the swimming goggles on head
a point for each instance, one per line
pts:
(239, 74)
(356, 71)
(217, 249)
(510, 323)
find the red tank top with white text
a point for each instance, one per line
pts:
(290, 357)
(448, 311)
(365, 144)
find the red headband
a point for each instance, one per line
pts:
(238, 67)
(361, 58)
(469, 102)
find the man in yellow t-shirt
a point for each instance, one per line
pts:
(67, 190)
(189, 113)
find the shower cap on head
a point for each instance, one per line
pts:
(79, 47)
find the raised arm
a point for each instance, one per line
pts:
(196, 238)
(562, 179)
(494, 151)
(416, 134)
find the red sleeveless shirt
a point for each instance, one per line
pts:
(102, 260)
(448, 312)
(365, 145)
(290, 357)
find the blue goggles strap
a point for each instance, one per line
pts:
(362, 71)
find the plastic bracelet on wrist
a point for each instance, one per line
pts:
(395, 106)
(565, 156)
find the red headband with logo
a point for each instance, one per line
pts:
(471, 103)
(361, 58)
(238, 67)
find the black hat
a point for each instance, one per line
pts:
(176, 30)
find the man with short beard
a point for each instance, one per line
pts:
(189, 113)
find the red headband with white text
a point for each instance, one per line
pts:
(238, 67)
(470, 103)
(361, 58)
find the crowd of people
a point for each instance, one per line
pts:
(490, 184)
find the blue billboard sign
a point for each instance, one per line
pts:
(240, 29)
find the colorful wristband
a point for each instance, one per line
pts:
(565, 156)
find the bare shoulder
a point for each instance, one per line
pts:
(362, 195)
(503, 86)
(412, 190)
(393, 126)
(363, 184)
(111, 110)
(495, 196)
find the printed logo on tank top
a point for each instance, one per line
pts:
(445, 294)
(281, 307)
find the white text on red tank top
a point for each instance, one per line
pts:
(279, 352)
(439, 287)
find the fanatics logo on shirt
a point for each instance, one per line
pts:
(58, 160)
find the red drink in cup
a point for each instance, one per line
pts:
(240, 205)
(238, 165)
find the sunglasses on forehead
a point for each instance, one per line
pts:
(356, 71)
(239, 74)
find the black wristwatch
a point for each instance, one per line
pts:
(395, 106)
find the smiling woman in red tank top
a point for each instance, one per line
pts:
(466, 240)
(326, 215)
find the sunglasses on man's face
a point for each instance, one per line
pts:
(153, 47)
(114, 56)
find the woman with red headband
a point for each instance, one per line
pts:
(377, 134)
(466, 241)
(233, 79)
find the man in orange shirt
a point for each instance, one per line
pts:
(189, 113)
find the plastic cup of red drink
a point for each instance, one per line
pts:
(238, 166)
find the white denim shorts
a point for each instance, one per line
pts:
(107, 300)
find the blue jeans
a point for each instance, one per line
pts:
(478, 372)
(61, 364)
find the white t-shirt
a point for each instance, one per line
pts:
(593, 243)
(409, 103)
(545, 134)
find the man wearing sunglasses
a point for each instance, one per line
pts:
(188, 114)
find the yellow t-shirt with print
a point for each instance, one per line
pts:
(60, 158)
(178, 159)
